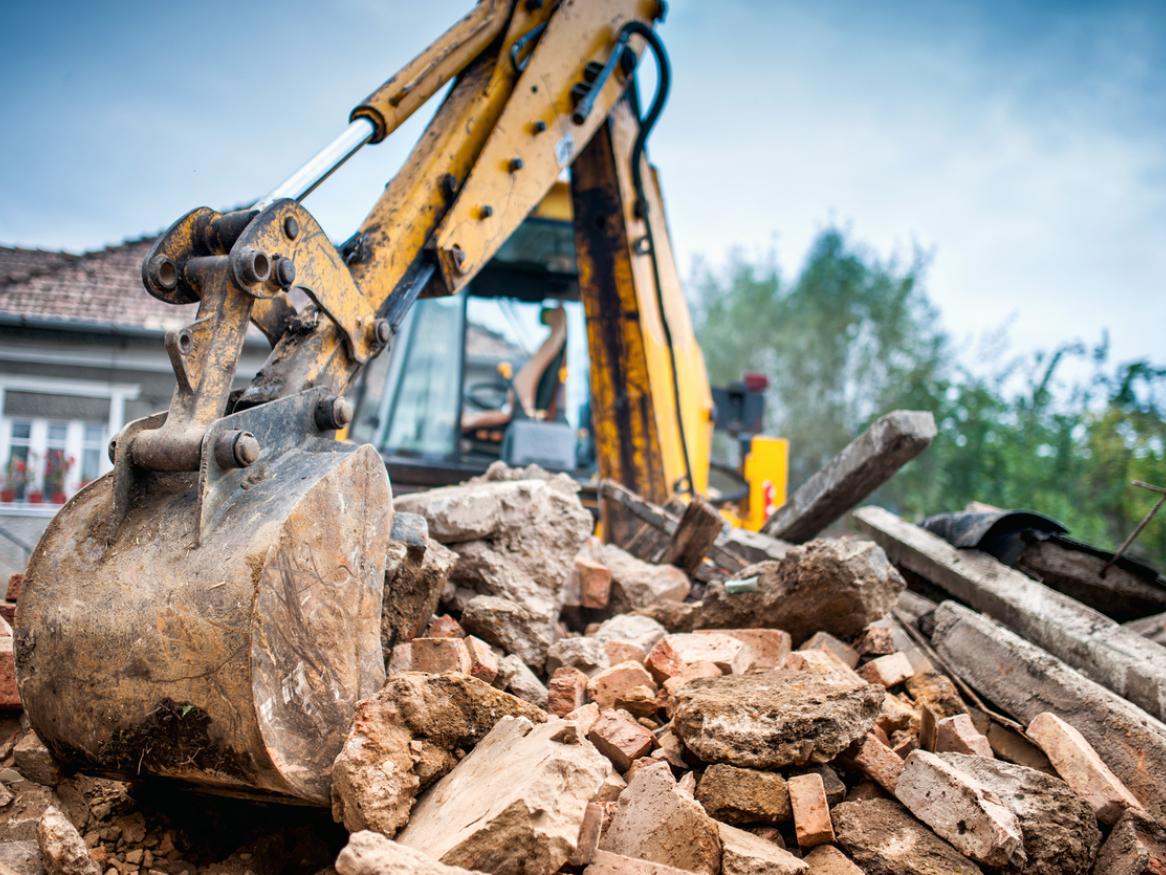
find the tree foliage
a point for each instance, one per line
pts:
(854, 336)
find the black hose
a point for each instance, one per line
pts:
(664, 82)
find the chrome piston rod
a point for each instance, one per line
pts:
(320, 166)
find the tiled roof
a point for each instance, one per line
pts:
(103, 287)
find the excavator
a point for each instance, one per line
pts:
(209, 611)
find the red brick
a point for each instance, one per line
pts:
(959, 735)
(767, 647)
(594, 582)
(401, 659)
(825, 641)
(566, 690)
(807, 796)
(15, 582)
(483, 659)
(875, 760)
(673, 652)
(436, 655)
(620, 738)
(691, 673)
(9, 696)
(887, 670)
(1081, 768)
(584, 717)
(623, 651)
(607, 686)
(444, 626)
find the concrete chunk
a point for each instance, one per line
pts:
(1059, 829)
(370, 853)
(515, 804)
(1137, 846)
(889, 670)
(515, 675)
(403, 737)
(838, 586)
(747, 854)
(586, 654)
(1081, 768)
(637, 584)
(743, 796)
(826, 641)
(515, 627)
(1023, 681)
(62, 850)
(773, 719)
(828, 860)
(636, 629)
(953, 804)
(884, 839)
(607, 863)
(656, 821)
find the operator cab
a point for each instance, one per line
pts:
(500, 371)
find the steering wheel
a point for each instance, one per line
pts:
(487, 395)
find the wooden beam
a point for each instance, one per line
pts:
(867, 462)
(1023, 680)
(700, 526)
(1115, 657)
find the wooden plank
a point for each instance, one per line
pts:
(699, 527)
(1117, 658)
(863, 466)
(1023, 680)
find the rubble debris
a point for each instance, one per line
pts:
(825, 641)
(607, 863)
(635, 629)
(773, 719)
(514, 627)
(883, 839)
(890, 670)
(444, 626)
(1152, 627)
(9, 694)
(958, 809)
(436, 655)
(370, 853)
(1060, 832)
(767, 648)
(606, 687)
(515, 677)
(637, 584)
(836, 586)
(743, 853)
(484, 663)
(656, 821)
(828, 860)
(1024, 681)
(1136, 846)
(1110, 654)
(33, 760)
(936, 692)
(875, 759)
(876, 640)
(592, 580)
(515, 804)
(403, 739)
(1081, 768)
(811, 811)
(576, 651)
(673, 616)
(566, 690)
(959, 735)
(620, 738)
(413, 585)
(864, 465)
(743, 796)
(63, 851)
(674, 653)
(691, 672)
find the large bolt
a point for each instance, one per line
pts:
(515, 165)
(333, 412)
(458, 256)
(291, 227)
(486, 211)
(382, 331)
(285, 273)
(236, 449)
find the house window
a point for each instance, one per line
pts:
(53, 436)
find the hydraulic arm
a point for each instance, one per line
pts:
(237, 550)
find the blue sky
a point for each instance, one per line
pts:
(1022, 144)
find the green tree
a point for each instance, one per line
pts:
(854, 336)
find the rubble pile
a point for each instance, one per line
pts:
(558, 704)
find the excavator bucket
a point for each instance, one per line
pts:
(220, 626)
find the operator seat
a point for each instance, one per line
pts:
(536, 373)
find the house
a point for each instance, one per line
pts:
(81, 355)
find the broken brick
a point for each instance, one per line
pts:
(594, 580)
(875, 641)
(444, 626)
(673, 652)
(743, 796)
(959, 735)
(767, 647)
(620, 738)
(826, 641)
(624, 651)
(484, 662)
(887, 670)
(438, 655)
(566, 690)
(690, 673)
(1081, 768)
(605, 687)
(875, 760)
